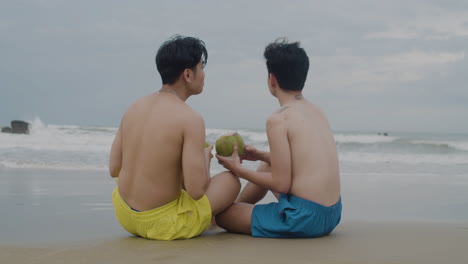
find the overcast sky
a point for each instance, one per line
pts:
(374, 65)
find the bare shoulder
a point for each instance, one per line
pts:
(277, 119)
(282, 110)
(318, 112)
(134, 109)
(280, 116)
(192, 120)
(139, 103)
(190, 114)
(316, 108)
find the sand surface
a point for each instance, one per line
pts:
(63, 216)
(352, 242)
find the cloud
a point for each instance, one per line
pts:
(371, 73)
(419, 59)
(435, 26)
(362, 55)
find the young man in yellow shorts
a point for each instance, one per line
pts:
(164, 190)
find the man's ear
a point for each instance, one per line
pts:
(272, 80)
(187, 74)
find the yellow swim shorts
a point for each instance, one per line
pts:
(179, 219)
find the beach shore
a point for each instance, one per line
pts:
(66, 216)
(352, 242)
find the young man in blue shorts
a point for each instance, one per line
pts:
(301, 168)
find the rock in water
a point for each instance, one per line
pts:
(6, 130)
(225, 145)
(19, 127)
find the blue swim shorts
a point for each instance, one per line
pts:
(294, 217)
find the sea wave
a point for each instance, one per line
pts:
(363, 138)
(88, 147)
(403, 158)
(60, 138)
(456, 145)
(249, 136)
(26, 164)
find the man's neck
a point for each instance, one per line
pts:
(177, 90)
(289, 97)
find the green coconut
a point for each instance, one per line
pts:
(225, 145)
(207, 144)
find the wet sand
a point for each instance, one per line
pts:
(352, 242)
(53, 216)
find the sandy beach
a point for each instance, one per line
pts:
(352, 242)
(66, 216)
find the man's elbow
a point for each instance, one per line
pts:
(197, 192)
(114, 171)
(283, 187)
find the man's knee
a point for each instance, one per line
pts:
(236, 218)
(230, 178)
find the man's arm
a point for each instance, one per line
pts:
(115, 160)
(254, 154)
(279, 179)
(195, 160)
(265, 156)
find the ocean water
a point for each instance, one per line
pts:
(50, 146)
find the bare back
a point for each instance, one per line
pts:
(315, 170)
(152, 143)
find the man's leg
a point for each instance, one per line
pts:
(236, 219)
(223, 190)
(252, 193)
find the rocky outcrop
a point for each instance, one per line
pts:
(6, 130)
(19, 127)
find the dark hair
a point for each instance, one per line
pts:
(177, 54)
(288, 63)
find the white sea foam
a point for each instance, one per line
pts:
(60, 138)
(57, 147)
(214, 132)
(48, 164)
(255, 136)
(78, 147)
(363, 138)
(459, 145)
(247, 135)
(403, 158)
